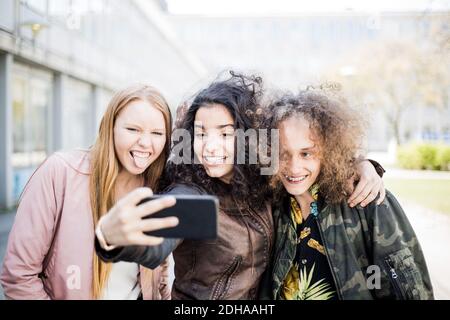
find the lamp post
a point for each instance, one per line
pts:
(35, 26)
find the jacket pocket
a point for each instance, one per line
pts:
(224, 283)
(404, 275)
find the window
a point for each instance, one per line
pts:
(78, 117)
(38, 5)
(32, 96)
(7, 15)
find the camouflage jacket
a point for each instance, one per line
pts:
(373, 252)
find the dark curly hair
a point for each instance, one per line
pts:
(241, 96)
(337, 129)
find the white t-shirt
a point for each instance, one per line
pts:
(123, 282)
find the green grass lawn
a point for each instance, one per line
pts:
(433, 194)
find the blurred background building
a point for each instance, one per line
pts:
(60, 61)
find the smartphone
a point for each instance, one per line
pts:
(197, 215)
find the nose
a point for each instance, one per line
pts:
(212, 144)
(295, 165)
(145, 140)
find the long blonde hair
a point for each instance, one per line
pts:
(105, 165)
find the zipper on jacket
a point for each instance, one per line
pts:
(225, 279)
(338, 290)
(394, 278)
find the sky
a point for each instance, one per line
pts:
(295, 7)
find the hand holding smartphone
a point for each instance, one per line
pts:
(197, 215)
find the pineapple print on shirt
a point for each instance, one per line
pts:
(310, 277)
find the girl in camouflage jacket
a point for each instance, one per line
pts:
(325, 248)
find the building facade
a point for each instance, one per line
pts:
(60, 62)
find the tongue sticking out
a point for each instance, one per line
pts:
(141, 163)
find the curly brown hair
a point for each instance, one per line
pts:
(337, 128)
(241, 95)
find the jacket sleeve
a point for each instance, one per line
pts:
(147, 256)
(32, 233)
(378, 168)
(397, 252)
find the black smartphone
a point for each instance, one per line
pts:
(197, 215)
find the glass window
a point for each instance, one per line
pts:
(77, 115)
(7, 14)
(39, 5)
(32, 96)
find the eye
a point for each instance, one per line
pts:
(157, 133)
(132, 129)
(199, 134)
(305, 154)
(227, 134)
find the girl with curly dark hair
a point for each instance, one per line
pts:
(226, 107)
(326, 249)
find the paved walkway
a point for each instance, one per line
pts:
(433, 232)
(432, 229)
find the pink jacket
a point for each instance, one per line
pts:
(51, 244)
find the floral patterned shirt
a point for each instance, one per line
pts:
(310, 277)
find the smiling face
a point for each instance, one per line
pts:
(214, 136)
(299, 156)
(139, 136)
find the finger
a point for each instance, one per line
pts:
(362, 195)
(135, 196)
(372, 195)
(350, 186)
(153, 224)
(362, 184)
(154, 206)
(382, 193)
(141, 239)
